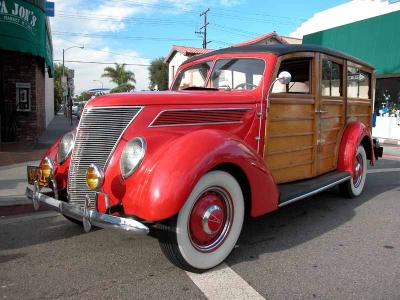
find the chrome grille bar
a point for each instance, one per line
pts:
(99, 132)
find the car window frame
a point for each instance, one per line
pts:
(240, 57)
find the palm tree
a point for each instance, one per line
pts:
(124, 79)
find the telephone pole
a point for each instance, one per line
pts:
(204, 28)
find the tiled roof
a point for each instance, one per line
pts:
(185, 51)
(260, 38)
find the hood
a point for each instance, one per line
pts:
(174, 98)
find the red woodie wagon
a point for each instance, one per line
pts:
(243, 131)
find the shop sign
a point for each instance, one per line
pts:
(49, 9)
(23, 29)
(18, 14)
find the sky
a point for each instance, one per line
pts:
(136, 31)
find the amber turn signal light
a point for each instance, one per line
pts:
(94, 177)
(47, 167)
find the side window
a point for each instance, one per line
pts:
(300, 69)
(331, 81)
(358, 83)
(237, 74)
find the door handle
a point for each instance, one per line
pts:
(321, 111)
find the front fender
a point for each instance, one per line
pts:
(354, 134)
(171, 173)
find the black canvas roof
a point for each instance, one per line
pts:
(280, 50)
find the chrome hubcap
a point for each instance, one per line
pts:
(210, 219)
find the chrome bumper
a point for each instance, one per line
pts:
(88, 216)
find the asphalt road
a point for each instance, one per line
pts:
(324, 247)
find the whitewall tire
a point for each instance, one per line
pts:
(355, 186)
(208, 226)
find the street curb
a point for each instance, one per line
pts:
(389, 141)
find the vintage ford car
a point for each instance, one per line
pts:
(242, 131)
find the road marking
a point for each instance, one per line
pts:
(34, 216)
(223, 283)
(384, 170)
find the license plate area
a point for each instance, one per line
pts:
(35, 174)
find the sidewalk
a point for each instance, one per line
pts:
(13, 153)
(14, 157)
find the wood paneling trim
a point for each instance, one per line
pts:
(290, 119)
(283, 100)
(303, 163)
(291, 134)
(358, 115)
(290, 150)
(331, 117)
(331, 129)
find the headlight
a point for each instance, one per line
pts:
(65, 147)
(94, 177)
(132, 156)
(47, 166)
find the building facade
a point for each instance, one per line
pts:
(375, 40)
(26, 70)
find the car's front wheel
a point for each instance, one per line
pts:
(208, 226)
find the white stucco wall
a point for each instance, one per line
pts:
(49, 98)
(174, 64)
(346, 13)
(387, 128)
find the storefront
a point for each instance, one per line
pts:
(26, 68)
(376, 41)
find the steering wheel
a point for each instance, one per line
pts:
(245, 86)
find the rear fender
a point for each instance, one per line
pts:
(172, 172)
(356, 133)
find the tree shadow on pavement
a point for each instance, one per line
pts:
(305, 220)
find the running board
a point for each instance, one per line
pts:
(294, 191)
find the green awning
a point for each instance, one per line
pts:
(374, 40)
(23, 28)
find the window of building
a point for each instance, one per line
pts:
(358, 83)
(193, 76)
(331, 81)
(300, 69)
(387, 97)
(237, 74)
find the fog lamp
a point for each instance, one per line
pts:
(94, 177)
(47, 167)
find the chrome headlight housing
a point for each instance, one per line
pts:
(65, 147)
(132, 156)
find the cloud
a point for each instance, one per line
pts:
(230, 2)
(108, 17)
(103, 17)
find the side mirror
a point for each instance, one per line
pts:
(284, 77)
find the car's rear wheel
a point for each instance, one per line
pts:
(354, 187)
(208, 226)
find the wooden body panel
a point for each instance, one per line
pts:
(303, 132)
(290, 139)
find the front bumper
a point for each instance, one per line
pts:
(88, 216)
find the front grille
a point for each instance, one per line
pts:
(99, 131)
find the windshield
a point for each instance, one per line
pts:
(237, 74)
(194, 76)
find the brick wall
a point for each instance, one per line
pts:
(22, 67)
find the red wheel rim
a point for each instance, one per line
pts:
(358, 171)
(210, 219)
